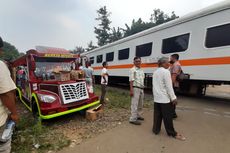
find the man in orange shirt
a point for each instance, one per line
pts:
(175, 70)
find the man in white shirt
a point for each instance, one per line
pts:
(163, 97)
(7, 101)
(104, 81)
(136, 80)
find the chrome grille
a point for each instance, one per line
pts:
(74, 92)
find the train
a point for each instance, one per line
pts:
(201, 38)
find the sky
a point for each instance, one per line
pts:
(70, 23)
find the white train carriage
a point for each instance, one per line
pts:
(202, 39)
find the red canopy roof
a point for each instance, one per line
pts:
(51, 50)
(43, 51)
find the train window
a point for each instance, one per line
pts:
(218, 36)
(144, 50)
(99, 58)
(109, 56)
(175, 44)
(123, 54)
(91, 59)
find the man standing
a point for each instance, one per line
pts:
(136, 79)
(90, 67)
(175, 70)
(163, 97)
(104, 82)
(88, 72)
(7, 101)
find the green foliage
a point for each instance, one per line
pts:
(115, 97)
(105, 34)
(102, 31)
(136, 27)
(158, 17)
(9, 52)
(78, 50)
(116, 34)
(119, 98)
(21, 54)
(90, 46)
(30, 137)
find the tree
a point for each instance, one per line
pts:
(102, 31)
(90, 46)
(158, 17)
(173, 16)
(21, 54)
(116, 34)
(136, 27)
(9, 52)
(78, 50)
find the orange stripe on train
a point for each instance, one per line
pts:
(191, 62)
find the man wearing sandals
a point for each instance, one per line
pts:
(163, 97)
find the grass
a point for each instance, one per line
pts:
(119, 98)
(35, 137)
(115, 97)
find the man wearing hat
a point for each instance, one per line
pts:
(7, 101)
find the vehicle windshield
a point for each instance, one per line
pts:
(46, 67)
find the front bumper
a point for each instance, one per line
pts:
(69, 111)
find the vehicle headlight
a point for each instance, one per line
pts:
(46, 98)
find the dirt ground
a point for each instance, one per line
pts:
(205, 122)
(222, 91)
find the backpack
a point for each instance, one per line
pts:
(182, 76)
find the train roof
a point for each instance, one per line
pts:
(190, 16)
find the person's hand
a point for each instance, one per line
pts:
(14, 117)
(131, 93)
(174, 102)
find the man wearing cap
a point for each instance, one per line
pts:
(7, 101)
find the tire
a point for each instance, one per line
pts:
(83, 112)
(17, 96)
(35, 112)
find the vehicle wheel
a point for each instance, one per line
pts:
(17, 96)
(35, 112)
(83, 112)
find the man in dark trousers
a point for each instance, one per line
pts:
(163, 97)
(7, 101)
(175, 70)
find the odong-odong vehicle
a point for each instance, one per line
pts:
(44, 85)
